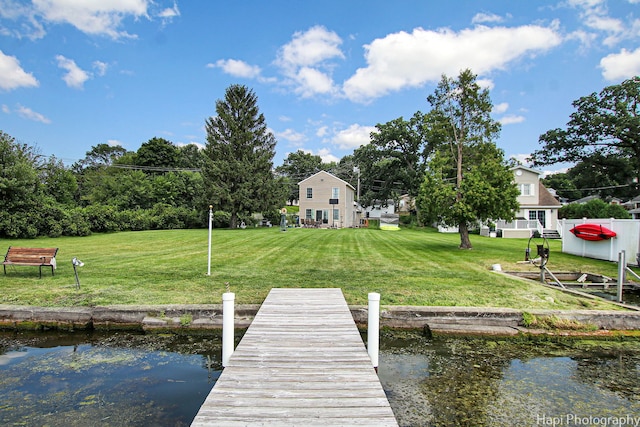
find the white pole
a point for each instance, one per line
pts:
(210, 223)
(373, 328)
(228, 299)
(622, 270)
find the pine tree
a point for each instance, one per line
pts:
(239, 157)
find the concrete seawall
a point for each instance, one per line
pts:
(193, 317)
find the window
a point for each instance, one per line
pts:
(335, 193)
(526, 190)
(308, 214)
(309, 193)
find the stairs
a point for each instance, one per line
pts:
(551, 234)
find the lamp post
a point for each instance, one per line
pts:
(210, 224)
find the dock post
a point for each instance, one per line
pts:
(228, 313)
(622, 270)
(373, 328)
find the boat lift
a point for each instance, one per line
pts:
(541, 245)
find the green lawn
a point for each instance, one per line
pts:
(407, 267)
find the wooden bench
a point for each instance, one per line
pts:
(39, 257)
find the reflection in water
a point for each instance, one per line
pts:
(511, 382)
(105, 380)
(129, 379)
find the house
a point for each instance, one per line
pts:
(633, 206)
(378, 208)
(538, 208)
(327, 201)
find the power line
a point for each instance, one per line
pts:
(155, 168)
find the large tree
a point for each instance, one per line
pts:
(296, 167)
(21, 195)
(158, 153)
(604, 124)
(393, 163)
(468, 179)
(240, 149)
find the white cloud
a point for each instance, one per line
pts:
(14, 11)
(306, 61)
(199, 145)
(511, 119)
(75, 76)
(169, 13)
(6, 109)
(322, 131)
(100, 67)
(311, 81)
(595, 16)
(353, 137)
(28, 113)
(500, 108)
(481, 18)
(619, 66)
(104, 18)
(292, 136)
(114, 143)
(326, 156)
(12, 76)
(237, 68)
(92, 17)
(484, 83)
(403, 59)
(310, 48)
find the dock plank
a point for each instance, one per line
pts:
(301, 362)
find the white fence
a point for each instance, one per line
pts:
(627, 239)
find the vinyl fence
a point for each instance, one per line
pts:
(627, 239)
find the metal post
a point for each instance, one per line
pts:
(622, 273)
(228, 299)
(75, 271)
(373, 329)
(209, 254)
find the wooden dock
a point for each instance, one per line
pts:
(302, 362)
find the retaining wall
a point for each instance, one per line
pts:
(438, 319)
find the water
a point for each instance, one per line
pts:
(511, 382)
(105, 380)
(125, 379)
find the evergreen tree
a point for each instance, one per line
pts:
(240, 149)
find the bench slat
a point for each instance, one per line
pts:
(38, 257)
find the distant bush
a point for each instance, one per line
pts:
(595, 208)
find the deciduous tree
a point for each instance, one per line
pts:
(393, 163)
(604, 124)
(468, 179)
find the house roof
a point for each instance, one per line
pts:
(331, 176)
(585, 199)
(536, 171)
(545, 198)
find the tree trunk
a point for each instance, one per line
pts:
(465, 242)
(233, 221)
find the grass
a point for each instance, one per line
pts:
(410, 267)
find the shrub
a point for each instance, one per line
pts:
(102, 218)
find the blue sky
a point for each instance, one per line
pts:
(77, 73)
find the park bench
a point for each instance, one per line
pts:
(39, 257)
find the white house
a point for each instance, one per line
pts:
(327, 201)
(538, 208)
